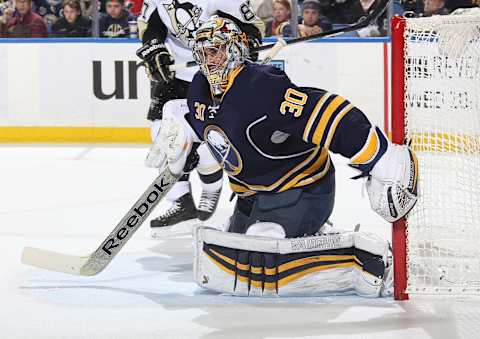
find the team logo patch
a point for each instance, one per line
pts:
(185, 19)
(223, 150)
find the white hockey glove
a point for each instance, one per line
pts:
(156, 157)
(174, 147)
(392, 185)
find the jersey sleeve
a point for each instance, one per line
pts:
(150, 26)
(316, 116)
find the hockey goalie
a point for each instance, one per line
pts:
(273, 139)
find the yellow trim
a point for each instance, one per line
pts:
(238, 189)
(288, 279)
(326, 115)
(370, 149)
(256, 270)
(287, 96)
(29, 134)
(333, 127)
(225, 258)
(231, 79)
(283, 178)
(318, 258)
(316, 165)
(314, 114)
(298, 275)
(317, 176)
(256, 283)
(289, 265)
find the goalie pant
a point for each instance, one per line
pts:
(330, 264)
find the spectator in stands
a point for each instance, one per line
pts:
(313, 22)
(46, 7)
(379, 28)
(24, 23)
(281, 16)
(7, 9)
(114, 24)
(434, 7)
(341, 11)
(72, 24)
(452, 5)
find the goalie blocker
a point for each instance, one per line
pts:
(329, 264)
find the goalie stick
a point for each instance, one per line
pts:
(95, 262)
(363, 22)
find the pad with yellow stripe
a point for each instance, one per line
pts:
(272, 271)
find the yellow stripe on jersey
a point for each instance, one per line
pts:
(277, 183)
(241, 190)
(231, 79)
(333, 127)
(325, 118)
(322, 159)
(369, 150)
(314, 114)
(317, 176)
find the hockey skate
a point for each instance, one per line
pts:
(179, 219)
(208, 204)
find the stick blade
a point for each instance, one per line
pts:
(53, 261)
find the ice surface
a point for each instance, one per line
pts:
(69, 198)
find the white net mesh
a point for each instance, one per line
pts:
(442, 113)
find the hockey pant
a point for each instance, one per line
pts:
(299, 211)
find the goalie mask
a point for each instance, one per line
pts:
(220, 49)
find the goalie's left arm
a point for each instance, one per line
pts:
(331, 121)
(392, 170)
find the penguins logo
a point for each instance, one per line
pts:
(185, 19)
(223, 150)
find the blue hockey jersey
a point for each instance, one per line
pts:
(271, 135)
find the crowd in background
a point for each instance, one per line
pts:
(117, 18)
(67, 19)
(315, 16)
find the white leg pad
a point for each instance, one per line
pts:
(329, 264)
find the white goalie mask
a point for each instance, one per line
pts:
(220, 49)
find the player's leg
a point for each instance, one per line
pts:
(300, 211)
(211, 179)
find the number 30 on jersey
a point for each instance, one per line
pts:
(293, 104)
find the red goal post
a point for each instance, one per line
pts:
(398, 136)
(436, 108)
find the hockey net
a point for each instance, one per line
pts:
(436, 108)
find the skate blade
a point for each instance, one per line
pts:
(180, 229)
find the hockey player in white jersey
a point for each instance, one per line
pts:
(166, 28)
(273, 139)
